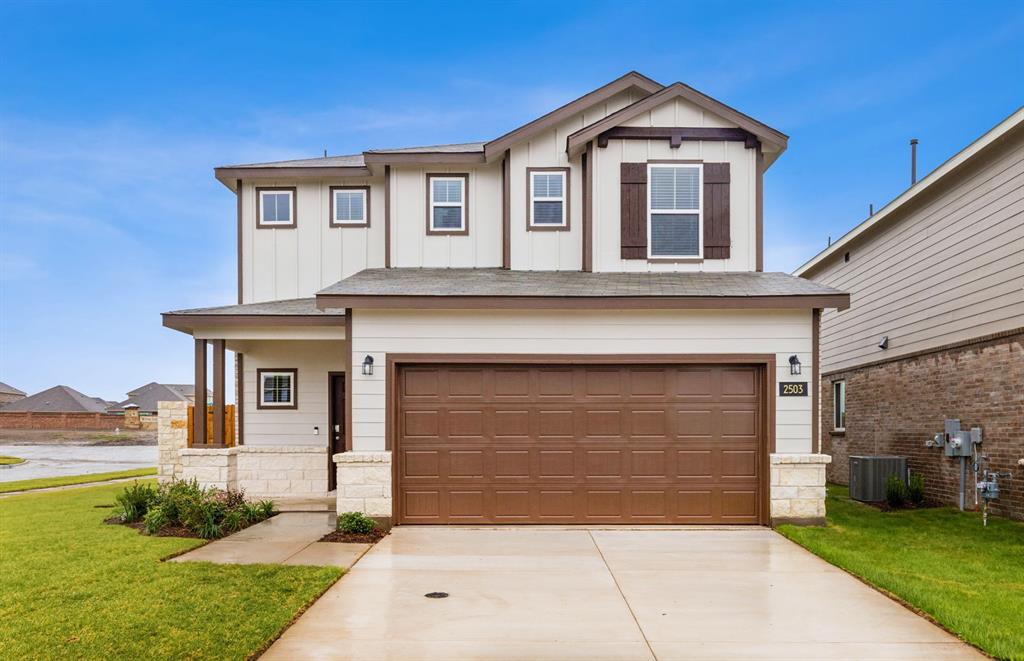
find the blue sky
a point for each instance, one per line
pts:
(112, 116)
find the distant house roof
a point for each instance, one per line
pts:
(147, 397)
(10, 390)
(58, 399)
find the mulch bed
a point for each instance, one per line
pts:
(356, 538)
(883, 506)
(166, 531)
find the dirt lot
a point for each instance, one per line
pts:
(57, 437)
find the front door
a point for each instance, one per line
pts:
(337, 425)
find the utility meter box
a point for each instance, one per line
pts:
(959, 442)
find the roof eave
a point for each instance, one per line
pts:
(187, 323)
(230, 175)
(424, 158)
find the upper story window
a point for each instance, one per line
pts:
(674, 209)
(275, 207)
(447, 206)
(277, 388)
(548, 199)
(350, 206)
(839, 405)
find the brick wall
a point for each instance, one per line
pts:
(894, 407)
(77, 421)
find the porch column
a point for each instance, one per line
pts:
(199, 417)
(218, 392)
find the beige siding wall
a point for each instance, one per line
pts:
(948, 271)
(410, 244)
(380, 332)
(296, 263)
(742, 189)
(313, 360)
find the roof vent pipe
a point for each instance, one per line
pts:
(913, 161)
(871, 210)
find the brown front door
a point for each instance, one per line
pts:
(337, 425)
(579, 444)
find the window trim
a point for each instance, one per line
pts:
(651, 257)
(838, 385)
(265, 371)
(464, 177)
(292, 192)
(334, 222)
(564, 226)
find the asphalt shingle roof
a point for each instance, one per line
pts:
(59, 399)
(10, 390)
(288, 307)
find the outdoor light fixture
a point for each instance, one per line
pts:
(368, 366)
(884, 342)
(794, 364)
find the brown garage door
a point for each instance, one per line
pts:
(579, 444)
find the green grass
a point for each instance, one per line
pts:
(65, 480)
(72, 586)
(941, 561)
(10, 461)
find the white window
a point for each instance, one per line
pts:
(675, 195)
(277, 388)
(349, 206)
(839, 405)
(547, 199)
(447, 203)
(276, 207)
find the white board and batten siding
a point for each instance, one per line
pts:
(946, 272)
(380, 332)
(283, 263)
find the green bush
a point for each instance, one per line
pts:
(895, 492)
(356, 523)
(135, 501)
(915, 489)
(207, 513)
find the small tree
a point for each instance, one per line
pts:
(915, 489)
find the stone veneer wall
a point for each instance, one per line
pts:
(172, 437)
(894, 407)
(797, 488)
(364, 483)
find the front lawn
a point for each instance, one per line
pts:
(941, 561)
(66, 480)
(10, 461)
(72, 586)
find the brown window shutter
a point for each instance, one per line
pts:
(633, 210)
(716, 211)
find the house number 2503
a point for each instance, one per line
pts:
(793, 389)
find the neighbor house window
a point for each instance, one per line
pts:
(446, 204)
(674, 227)
(548, 195)
(350, 206)
(275, 207)
(839, 405)
(277, 388)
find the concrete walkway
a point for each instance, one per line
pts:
(290, 538)
(543, 593)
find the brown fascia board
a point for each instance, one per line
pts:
(496, 148)
(228, 176)
(424, 158)
(186, 323)
(577, 141)
(837, 301)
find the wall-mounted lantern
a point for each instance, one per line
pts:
(368, 366)
(794, 365)
(884, 342)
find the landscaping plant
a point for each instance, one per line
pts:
(895, 492)
(356, 523)
(135, 501)
(915, 489)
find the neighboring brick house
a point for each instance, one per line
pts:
(147, 397)
(10, 394)
(939, 273)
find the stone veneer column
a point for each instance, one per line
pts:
(798, 488)
(364, 484)
(172, 437)
(210, 467)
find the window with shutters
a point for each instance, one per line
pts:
(674, 208)
(350, 206)
(548, 203)
(446, 204)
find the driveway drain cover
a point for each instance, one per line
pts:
(436, 595)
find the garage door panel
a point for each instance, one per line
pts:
(579, 444)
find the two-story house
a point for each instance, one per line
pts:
(567, 324)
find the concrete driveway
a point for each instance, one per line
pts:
(543, 593)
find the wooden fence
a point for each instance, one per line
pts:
(229, 426)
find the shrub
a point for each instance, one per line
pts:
(895, 491)
(156, 519)
(135, 501)
(356, 523)
(266, 508)
(915, 489)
